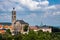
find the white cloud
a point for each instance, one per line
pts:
(31, 16)
(32, 5)
(56, 13)
(29, 3)
(51, 7)
(7, 5)
(45, 3)
(52, 11)
(5, 16)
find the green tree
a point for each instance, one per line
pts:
(7, 36)
(18, 37)
(8, 31)
(25, 27)
(0, 37)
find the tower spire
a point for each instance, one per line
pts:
(13, 16)
(41, 24)
(13, 7)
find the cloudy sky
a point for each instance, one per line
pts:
(32, 11)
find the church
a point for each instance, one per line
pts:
(18, 25)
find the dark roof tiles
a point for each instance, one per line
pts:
(21, 21)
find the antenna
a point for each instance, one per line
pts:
(41, 24)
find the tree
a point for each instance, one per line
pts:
(25, 27)
(18, 37)
(0, 37)
(32, 35)
(7, 36)
(8, 31)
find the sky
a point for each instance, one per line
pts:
(31, 11)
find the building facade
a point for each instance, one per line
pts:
(20, 24)
(17, 24)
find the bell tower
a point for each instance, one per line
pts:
(13, 16)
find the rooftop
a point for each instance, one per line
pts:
(21, 21)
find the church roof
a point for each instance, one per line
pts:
(21, 21)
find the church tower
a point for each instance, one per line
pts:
(13, 16)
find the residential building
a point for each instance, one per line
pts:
(34, 28)
(43, 28)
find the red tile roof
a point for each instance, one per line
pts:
(0, 26)
(33, 28)
(2, 31)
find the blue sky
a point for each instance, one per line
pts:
(32, 11)
(54, 2)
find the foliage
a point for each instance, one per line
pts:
(39, 35)
(7, 36)
(25, 27)
(55, 29)
(18, 37)
(0, 37)
(8, 31)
